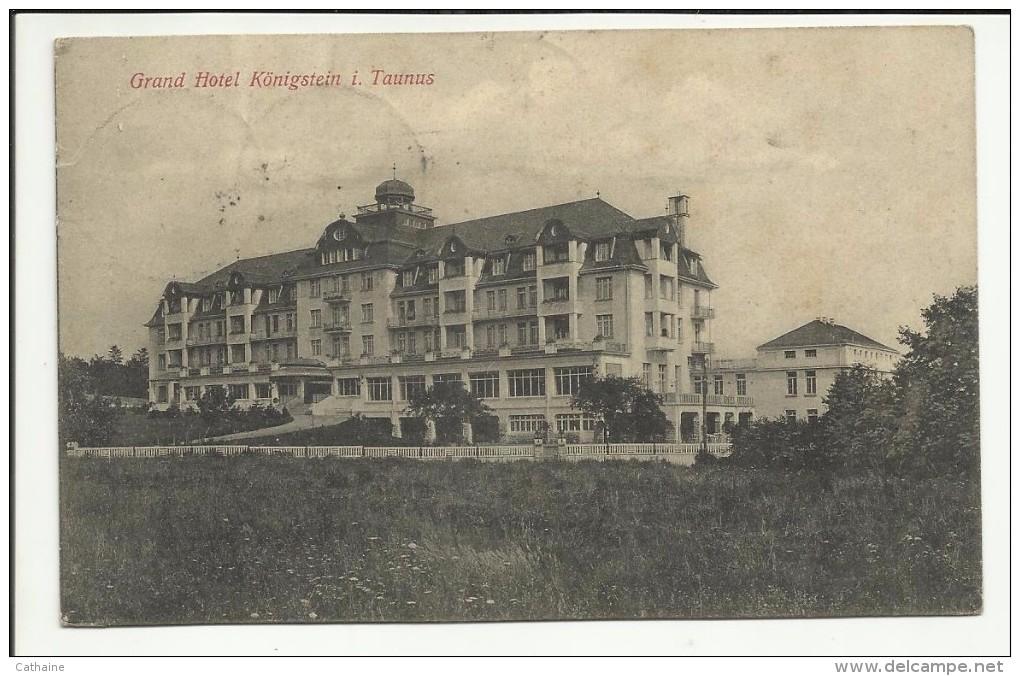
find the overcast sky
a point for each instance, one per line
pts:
(831, 171)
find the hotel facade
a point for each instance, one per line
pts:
(519, 307)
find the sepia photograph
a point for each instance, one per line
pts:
(504, 326)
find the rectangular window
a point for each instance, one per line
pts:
(810, 382)
(574, 422)
(557, 289)
(663, 379)
(274, 295)
(810, 353)
(367, 313)
(791, 382)
(263, 391)
(812, 415)
(569, 378)
(503, 340)
(314, 288)
(719, 387)
(791, 415)
(456, 336)
(666, 251)
(291, 321)
(380, 389)
(446, 378)
(522, 297)
(237, 354)
(603, 288)
(533, 296)
(238, 391)
(665, 325)
(790, 354)
(174, 331)
(648, 287)
(341, 347)
(348, 387)
(602, 251)
(407, 278)
(667, 287)
(316, 348)
(604, 325)
(646, 375)
(426, 307)
(490, 336)
(412, 347)
(291, 349)
(368, 345)
(527, 423)
(287, 389)
(649, 325)
(556, 253)
(499, 266)
(699, 384)
(526, 383)
(433, 274)
(410, 386)
(316, 318)
(274, 352)
(192, 393)
(533, 331)
(456, 301)
(237, 325)
(741, 385)
(490, 300)
(366, 281)
(485, 384)
(501, 298)
(529, 261)
(454, 268)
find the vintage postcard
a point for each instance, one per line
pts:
(564, 325)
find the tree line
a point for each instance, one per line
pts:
(925, 419)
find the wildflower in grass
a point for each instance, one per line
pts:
(254, 616)
(412, 603)
(411, 545)
(489, 602)
(313, 616)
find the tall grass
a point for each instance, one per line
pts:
(293, 540)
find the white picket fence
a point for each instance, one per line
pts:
(680, 452)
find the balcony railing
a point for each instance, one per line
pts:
(701, 312)
(413, 208)
(206, 340)
(501, 313)
(702, 348)
(415, 320)
(337, 327)
(340, 296)
(694, 399)
(273, 335)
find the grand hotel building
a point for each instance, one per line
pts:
(519, 307)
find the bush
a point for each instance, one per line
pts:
(782, 444)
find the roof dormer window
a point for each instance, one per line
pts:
(499, 266)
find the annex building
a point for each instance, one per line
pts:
(519, 307)
(793, 373)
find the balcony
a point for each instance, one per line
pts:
(481, 314)
(702, 348)
(341, 296)
(412, 320)
(701, 312)
(661, 343)
(206, 340)
(337, 327)
(377, 208)
(455, 316)
(694, 399)
(272, 335)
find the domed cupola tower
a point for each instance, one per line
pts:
(394, 206)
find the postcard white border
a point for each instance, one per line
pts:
(37, 608)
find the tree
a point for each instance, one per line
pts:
(860, 421)
(215, 403)
(448, 406)
(938, 388)
(137, 374)
(115, 355)
(627, 410)
(83, 416)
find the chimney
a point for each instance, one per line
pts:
(678, 209)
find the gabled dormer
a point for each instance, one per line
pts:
(341, 242)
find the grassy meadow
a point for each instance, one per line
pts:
(277, 539)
